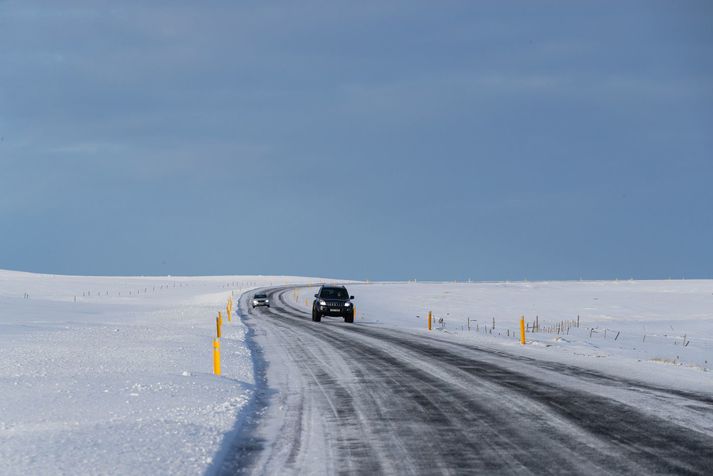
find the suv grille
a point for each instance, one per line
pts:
(334, 304)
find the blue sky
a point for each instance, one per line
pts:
(375, 140)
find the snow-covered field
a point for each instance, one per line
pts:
(113, 375)
(658, 331)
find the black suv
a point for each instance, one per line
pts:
(332, 301)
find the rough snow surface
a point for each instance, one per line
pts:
(364, 398)
(658, 331)
(113, 375)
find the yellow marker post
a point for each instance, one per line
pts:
(216, 356)
(218, 324)
(430, 318)
(522, 330)
(227, 309)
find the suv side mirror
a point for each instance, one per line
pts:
(351, 297)
(316, 295)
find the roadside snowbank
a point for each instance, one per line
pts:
(113, 375)
(658, 331)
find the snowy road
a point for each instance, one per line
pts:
(342, 398)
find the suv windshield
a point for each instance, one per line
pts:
(334, 293)
(260, 296)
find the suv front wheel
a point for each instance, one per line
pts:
(316, 316)
(349, 317)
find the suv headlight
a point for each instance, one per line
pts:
(322, 303)
(254, 301)
(347, 304)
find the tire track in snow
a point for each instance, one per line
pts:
(382, 401)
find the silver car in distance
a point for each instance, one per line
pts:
(260, 300)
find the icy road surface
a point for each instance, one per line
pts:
(354, 399)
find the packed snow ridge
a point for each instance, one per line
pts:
(113, 375)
